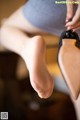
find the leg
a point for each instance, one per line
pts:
(31, 49)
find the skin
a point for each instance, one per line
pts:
(14, 36)
(75, 23)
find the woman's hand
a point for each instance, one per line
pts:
(75, 23)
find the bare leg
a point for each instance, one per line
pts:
(31, 49)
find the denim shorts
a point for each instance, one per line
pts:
(46, 15)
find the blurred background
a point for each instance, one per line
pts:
(17, 97)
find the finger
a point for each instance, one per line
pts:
(76, 29)
(69, 10)
(74, 26)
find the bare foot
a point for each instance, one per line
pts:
(34, 57)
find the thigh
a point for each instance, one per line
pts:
(18, 21)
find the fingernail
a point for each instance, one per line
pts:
(74, 30)
(67, 20)
(68, 28)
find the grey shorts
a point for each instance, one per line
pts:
(46, 15)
